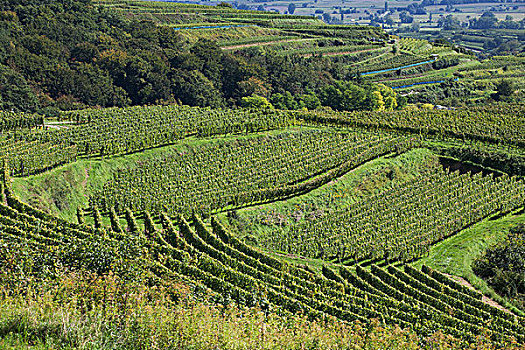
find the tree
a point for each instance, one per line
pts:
(309, 101)
(253, 86)
(345, 96)
(389, 97)
(15, 92)
(404, 17)
(291, 8)
(377, 102)
(416, 9)
(504, 89)
(487, 21)
(195, 89)
(389, 21)
(451, 23)
(284, 101)
(401, 101)
(255, 102)
(331, 96)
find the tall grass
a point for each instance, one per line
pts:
(85, 311)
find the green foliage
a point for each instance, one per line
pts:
(504, 90)
(504, 125)
(57, 319)
(284, 101)
(218, 165)
(230, 270)
(14, 120)
(309, 101)
(115, 131)
(15, 92)
(78, 55)
(503, 266)
(195, 89)
(133, 227)
(255, 102)
(31, 157)
(80, 216)
(149, 226)
(362, 230)
(510, 161)
(346, 96)
(114, 219)
(291, 8)
(97, 218)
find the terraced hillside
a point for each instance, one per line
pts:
(421, 70)
(265, 167)
(149, 214)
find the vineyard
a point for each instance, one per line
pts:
(116, 131)
(224, 160)
(294, 184)
(207, 179)
(213, 260)
(495, 124)
(403, 222)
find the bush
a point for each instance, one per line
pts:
(257, 102)
(503, 265)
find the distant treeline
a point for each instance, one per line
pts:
(459, 2)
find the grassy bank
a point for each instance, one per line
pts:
(455, 254)
(257, 221)
(62, 190)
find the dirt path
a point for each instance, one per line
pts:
(336, 53)
(58, 125)
(86, 177)
(264, 43)
(484, 299)
(54, 126)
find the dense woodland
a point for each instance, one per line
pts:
(69, 54)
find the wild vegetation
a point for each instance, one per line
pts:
(502, 265)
